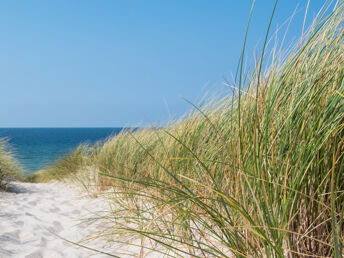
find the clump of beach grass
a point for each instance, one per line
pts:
(9, 167)
(259, 173)
(62, 168)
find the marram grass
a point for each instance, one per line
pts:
(257, 174)
(9, 167)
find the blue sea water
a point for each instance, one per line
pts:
(36, 148)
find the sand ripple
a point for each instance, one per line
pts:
(35, 217)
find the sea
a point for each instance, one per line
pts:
(36, 148)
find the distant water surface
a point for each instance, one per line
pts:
(36, 148)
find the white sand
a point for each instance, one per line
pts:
(34, 217)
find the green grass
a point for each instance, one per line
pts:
(9, 167)
(259, 173)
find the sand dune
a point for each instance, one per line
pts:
(35, 217)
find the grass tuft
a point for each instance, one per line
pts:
(9, 167)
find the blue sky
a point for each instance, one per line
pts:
(79, 63)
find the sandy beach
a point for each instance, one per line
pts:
(37, 219)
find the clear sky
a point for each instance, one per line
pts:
(104, 63)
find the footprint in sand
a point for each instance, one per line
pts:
(19, 223)
(36, 254)
(12, 237)
(5, 253)
(29, 214)
(26, 236)
(43, 242)
(54, 210)
(57, 226)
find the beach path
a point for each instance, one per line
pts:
(36, 220)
